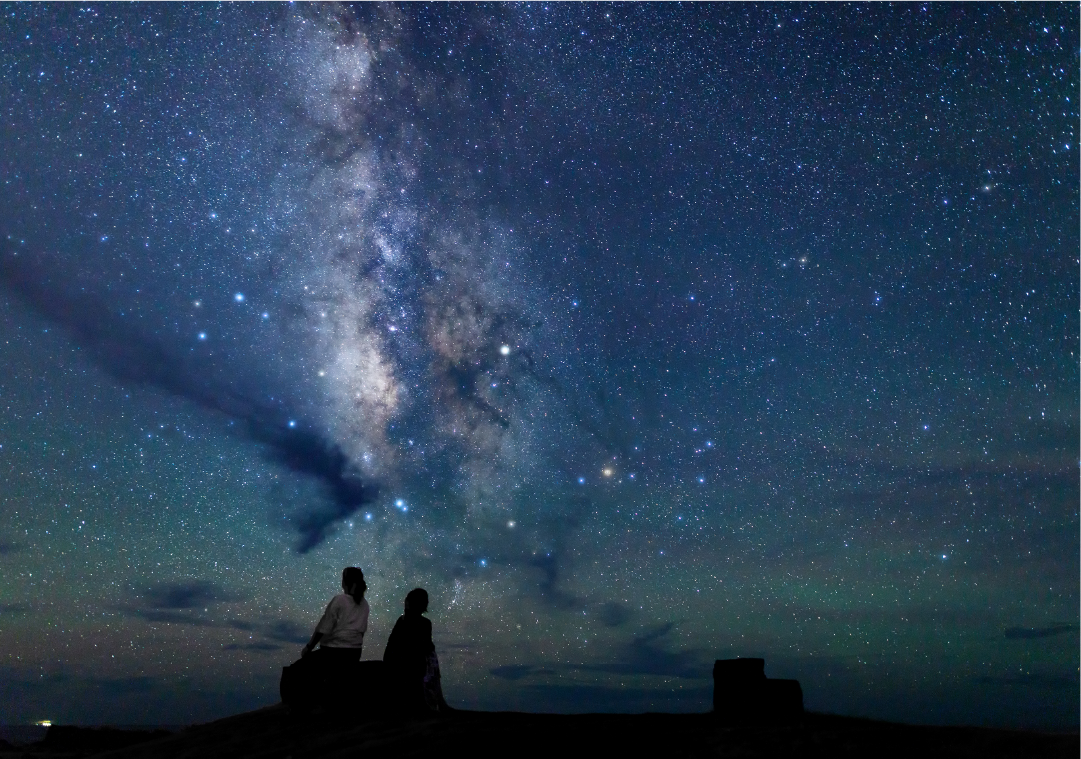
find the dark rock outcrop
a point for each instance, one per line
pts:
(92, 740)
(742, 694)
(278, 733)
(357, 688)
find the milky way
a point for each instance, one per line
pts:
(415, 346)
(639, 336)
(428, 349)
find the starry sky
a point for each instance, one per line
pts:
(639, 335)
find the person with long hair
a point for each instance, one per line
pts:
(340, 632)
(412, 665)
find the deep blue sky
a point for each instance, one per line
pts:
(639, 335)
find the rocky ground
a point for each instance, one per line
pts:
(275, 732)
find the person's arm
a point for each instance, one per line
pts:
(326, 624)
(310, 646)
(391, 654)
(429, 644)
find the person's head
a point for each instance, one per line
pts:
(353, 583)
(416, 601)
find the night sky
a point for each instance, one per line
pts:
(639, 335)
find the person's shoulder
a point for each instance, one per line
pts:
(346, 601)
(397, 630)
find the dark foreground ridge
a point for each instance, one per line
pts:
(277, 732)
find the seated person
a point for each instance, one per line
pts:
(412, 666)
(340, 633)
(328, 674)
(324, 675)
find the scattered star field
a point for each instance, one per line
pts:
(639, 335)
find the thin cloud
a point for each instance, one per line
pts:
(252, 647)
(647, 655)
(1033, 633)
(189, 594)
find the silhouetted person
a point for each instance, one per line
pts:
(329, 674)
(412, 666)
(340, 637)
(340, 633)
